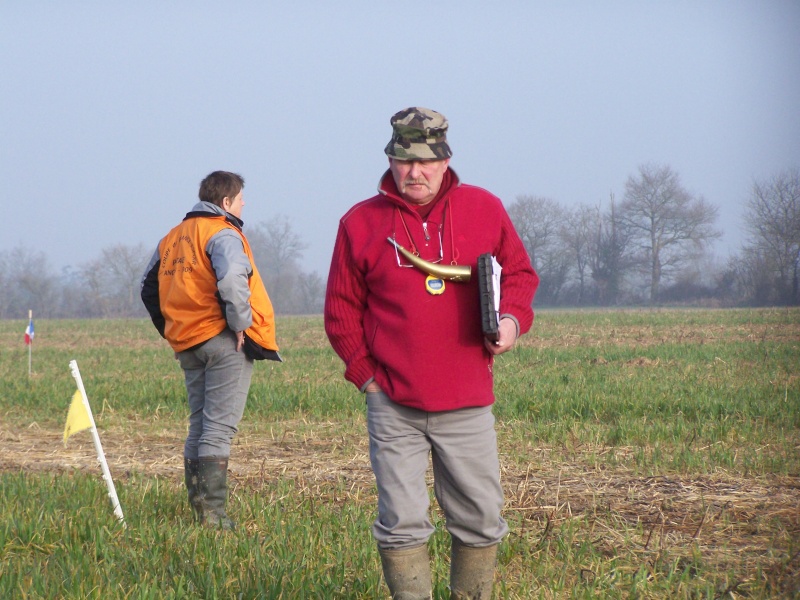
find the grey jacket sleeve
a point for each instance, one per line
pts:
(233, 271)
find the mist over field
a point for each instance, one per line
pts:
(113, 113)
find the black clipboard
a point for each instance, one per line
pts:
(490, 318)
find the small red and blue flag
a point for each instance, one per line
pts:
(29, 333)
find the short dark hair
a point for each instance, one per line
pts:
(219, 185)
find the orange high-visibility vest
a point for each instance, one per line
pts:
(187, 287)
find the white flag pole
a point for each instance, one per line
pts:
(101, 457)
(30, 346)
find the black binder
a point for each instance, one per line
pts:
(490, 319)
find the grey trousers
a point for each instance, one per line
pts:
(217, 381)
(462, 445)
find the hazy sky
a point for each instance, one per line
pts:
(112, 112)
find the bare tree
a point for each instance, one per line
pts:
(29, 283)
(610, 255)
(76, 302)
(539, 222)
(672, 227)
(125, 266)
(311, 294)
(112, 282)
(576, 235)
(700, 283)
(5, 286)
(277, 250)
(772, 220)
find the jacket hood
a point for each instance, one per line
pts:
(207, 209)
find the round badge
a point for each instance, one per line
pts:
(434, 285)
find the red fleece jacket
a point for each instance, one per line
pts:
(425, 351)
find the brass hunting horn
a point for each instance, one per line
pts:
(448, 272)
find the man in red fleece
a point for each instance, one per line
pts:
(409, 332)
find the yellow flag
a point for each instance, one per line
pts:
(77, 417)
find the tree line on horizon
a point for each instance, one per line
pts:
(653, 247)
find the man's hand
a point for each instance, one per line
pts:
(372, 387)
(239, 340)
(507, 339)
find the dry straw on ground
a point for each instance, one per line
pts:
(743, 525)
(732, 521)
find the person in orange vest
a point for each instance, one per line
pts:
(206, 298)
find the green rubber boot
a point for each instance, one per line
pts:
(472, 572)
(407, 573)
(191, 473)
(213, 493)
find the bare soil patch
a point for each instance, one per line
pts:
(738, 523)
(645, 336)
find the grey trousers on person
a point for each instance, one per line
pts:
(462, 445)
(217, 381)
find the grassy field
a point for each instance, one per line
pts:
(645, 454)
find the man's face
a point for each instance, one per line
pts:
(418, 180)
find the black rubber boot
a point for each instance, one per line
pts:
(191, 473)
(407, 573)
(213, 493)
(472, 572)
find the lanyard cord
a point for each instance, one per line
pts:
(413, 248)
(453, 250)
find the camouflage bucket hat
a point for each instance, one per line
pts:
(418, 134)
